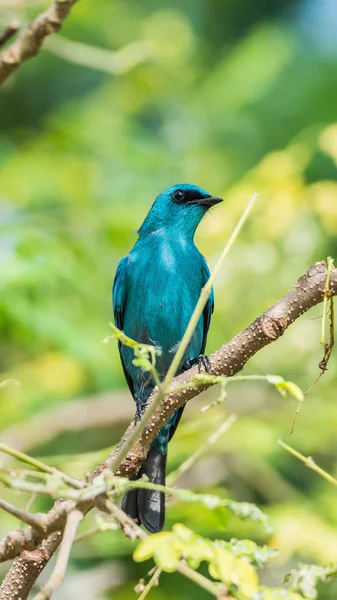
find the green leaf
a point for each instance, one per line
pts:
(233, 570)
(182, 532)
(167, 556)
(147, 547)
(295, 391)
(286, 387)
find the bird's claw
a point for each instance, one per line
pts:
(139, 413)
(202, 361)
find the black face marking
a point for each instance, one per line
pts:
(188, 196)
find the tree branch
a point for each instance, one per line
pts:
(73, 520)
(228, 360)
(10, 30)
(31, 40)
(27, 567)
(30, 538)
(36, 521)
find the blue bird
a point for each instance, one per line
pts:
(156, 288)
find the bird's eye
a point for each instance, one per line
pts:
(179, 195)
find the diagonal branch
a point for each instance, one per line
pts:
(9, 32)
(228, 360)
(73, 520)
(31, 40)
(36, 521)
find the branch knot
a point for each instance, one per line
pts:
(273, 327)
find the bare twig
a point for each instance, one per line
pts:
(328, 346)
(73, 520)
(31, 40)
(30, 538)
(75, 483)
(151, 583)
(36, 521)
(116, 63)
(75, 415)
(8, 33)
(190, 462)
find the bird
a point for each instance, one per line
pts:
(155, 290)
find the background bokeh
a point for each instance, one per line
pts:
(238, 97)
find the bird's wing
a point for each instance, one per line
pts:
(209, 308)
(118, 301)
(118, 293)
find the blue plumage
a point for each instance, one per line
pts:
(156, 288)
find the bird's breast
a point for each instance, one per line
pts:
(163, 288)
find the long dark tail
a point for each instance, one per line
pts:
(147, 507)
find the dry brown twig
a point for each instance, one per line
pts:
(9, 32)
(327, 346)
(30, 41)
(228, 360)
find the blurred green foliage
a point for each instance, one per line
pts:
(238, 98)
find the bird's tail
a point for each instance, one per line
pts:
(147, 507)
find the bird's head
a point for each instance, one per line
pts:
(180, 207)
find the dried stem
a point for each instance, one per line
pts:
(153, 581)
(190, 462)
(37, 464)
(73, 520)
(8, 33)
(115, 63)
(36, 521)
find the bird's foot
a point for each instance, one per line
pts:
(139, 412)
(202, 361)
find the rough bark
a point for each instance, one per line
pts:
(30, 41)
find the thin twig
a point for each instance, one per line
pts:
(36, 521)
(33, 462)
(328, 346)
(88, 533)
(190, 462)
(73, 520)
(309, 462)
(115, 63)
(6, 382)
(325, 299)
(8, 33)
(153, 582)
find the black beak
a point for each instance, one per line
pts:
(206, 202)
